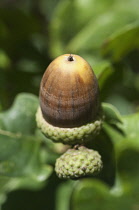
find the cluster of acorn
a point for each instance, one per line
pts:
(69, 113)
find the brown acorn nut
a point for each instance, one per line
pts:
(69, 92)
(69, 101)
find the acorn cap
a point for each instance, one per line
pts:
(78, 162)
(71, 136)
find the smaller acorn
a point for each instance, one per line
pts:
(78, 162)
(69, 109)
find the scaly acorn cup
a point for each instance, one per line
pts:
(69, 109)
(78, 162)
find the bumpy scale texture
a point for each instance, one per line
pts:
(76, 163)
(71, 136)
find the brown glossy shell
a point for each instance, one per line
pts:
(69, 92)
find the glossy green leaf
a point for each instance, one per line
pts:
(130, 128)
(106, 70)
(20, 118)
(92, 194)
(90, 31)
(128, 36)
(127, 152)
(21, 163)
(111, 114)
(63, 197)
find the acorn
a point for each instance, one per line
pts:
(78, 162)
(69, 109)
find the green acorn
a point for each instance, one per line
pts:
(69, 109)
(78, 162)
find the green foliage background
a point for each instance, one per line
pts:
(106, 34)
